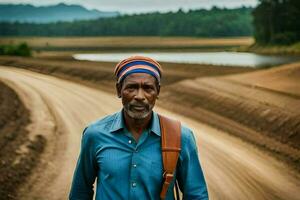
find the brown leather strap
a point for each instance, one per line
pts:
(171, 147)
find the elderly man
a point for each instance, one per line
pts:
(123, 150)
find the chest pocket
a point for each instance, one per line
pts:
(113, 162)
(152, 162)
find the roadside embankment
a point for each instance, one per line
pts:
(19, 154)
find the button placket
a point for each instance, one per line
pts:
(133, 173)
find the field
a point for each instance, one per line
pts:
(127, 43)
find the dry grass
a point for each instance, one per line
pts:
(178, 42)
(293, 49)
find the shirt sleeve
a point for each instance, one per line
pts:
(86, 170)
(190, 175)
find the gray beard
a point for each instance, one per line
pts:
(138, 115)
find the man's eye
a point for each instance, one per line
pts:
(148, 88)
(130, 87)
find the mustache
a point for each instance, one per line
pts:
(139, 105)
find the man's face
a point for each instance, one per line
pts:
(139, 92)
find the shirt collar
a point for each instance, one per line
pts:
(155, 125)
(118, 123)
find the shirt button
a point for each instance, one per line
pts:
(129, 141)
(134, 184)
(134, 165)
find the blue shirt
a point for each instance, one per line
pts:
(126, 169)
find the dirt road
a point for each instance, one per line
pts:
(60, 110)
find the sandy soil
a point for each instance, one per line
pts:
(262, 107)
(19, 153)
(280, 79)
(234, 169)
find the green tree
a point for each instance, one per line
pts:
(277, 21)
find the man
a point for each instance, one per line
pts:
(123, 150)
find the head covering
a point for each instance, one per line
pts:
(137, 64)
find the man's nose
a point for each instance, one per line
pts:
(140, 96)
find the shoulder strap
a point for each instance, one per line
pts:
(171, 147)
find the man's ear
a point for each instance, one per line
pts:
(158, 89)
(118, 88)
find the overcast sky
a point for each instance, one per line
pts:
(141, 6)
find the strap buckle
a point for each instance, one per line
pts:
(168, 177)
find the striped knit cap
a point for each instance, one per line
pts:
(137, 64)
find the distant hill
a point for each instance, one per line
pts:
(47, 14)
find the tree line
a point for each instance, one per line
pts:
(277, 21)
(215, 22)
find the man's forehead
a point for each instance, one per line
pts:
(139, 77)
